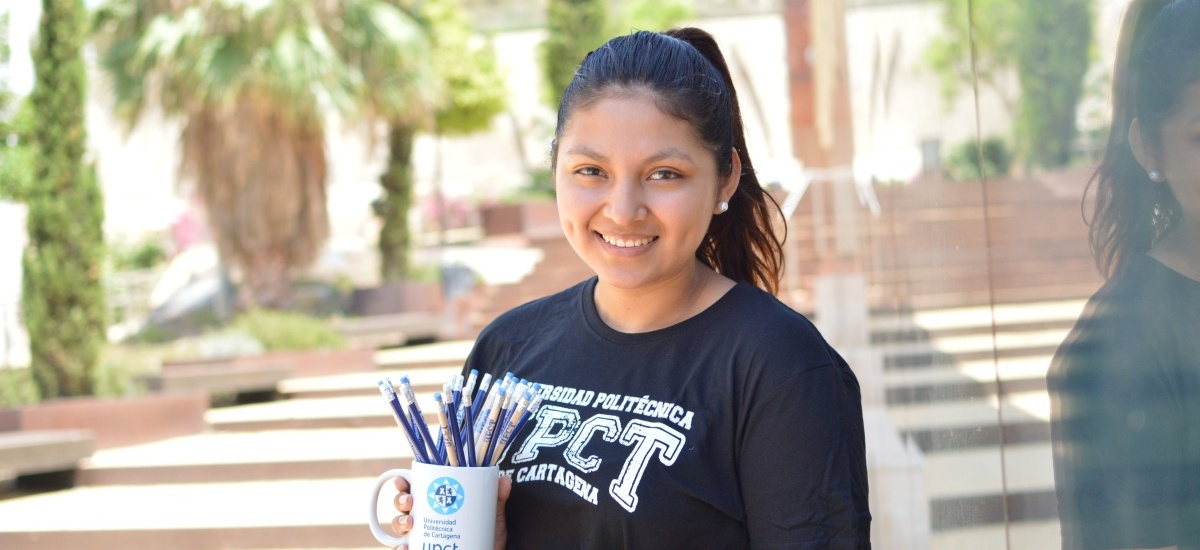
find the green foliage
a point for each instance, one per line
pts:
(1052, 59)
(474, 93)
(1046, 46)
(16, 157)
(995, 34)
(651, 15)
(574, 27)
(963, 162)
(63, 298)
(395, 238)
(17, 388)
(143, 254)
(16, 171)
(466, 66)
(288, 331)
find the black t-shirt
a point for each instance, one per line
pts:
(737, 428)
(1125, 398)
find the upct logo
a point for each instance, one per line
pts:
(446, 495)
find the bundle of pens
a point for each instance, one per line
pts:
(475, 425)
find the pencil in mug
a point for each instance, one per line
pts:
(444, 423)
(418, 418)
(506, 428)
(385, 387)
(485, 442)
(452, 421)
(533, 407)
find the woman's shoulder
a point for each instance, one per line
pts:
(773, 330)
(757, 311)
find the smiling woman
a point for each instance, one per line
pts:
(687, 407)
(636, 192)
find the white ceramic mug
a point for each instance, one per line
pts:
(454, 508)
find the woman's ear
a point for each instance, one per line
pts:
(730, 183)
(1141, 149)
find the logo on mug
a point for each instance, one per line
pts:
(446, 495)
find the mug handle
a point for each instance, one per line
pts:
(382, 535)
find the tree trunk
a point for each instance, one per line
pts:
(395, 239)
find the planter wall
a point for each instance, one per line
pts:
(115, 422)
(533, 220)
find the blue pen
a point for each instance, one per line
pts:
(385, 388)
(419, 418)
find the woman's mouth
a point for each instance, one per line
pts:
(627, 242)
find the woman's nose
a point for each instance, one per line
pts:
(626, 202)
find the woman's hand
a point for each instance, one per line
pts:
(402, 523)
(502, 493)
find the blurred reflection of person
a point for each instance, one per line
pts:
(1125, 384)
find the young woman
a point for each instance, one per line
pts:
(1125, 384)
(685, 406)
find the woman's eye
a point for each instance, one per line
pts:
(664, 175)
(589, 171)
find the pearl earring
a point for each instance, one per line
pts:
(722, 207)
(1156, 176)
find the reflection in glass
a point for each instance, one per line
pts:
(1125, 384)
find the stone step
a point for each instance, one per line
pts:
(244, 515)
(365, 411)
(424, 380)
(220, 457)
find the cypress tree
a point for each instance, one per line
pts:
(63, 299)
(1052, 54)
(574, 28)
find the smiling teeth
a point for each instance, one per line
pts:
(627, 244)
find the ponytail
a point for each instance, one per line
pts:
(741, 243)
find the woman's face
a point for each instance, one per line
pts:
(636, 191)
(1177, 155)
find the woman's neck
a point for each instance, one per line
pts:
(663, 304)
(1179, 249)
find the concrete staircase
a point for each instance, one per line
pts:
(287, 474)
(974, 401)
(560, 268)
(294, 473)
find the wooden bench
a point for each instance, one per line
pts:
(247, 383)
(394, 329)
(43, 459)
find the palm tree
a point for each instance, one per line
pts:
(254, 81)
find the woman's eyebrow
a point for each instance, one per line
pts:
(671, 153)
(668, 153)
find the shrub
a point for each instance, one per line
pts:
(281, 330)
(962, 164)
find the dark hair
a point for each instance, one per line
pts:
(1158, 58)
(685, 73)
